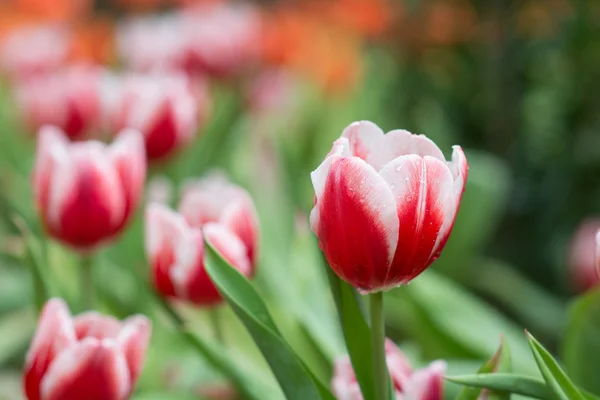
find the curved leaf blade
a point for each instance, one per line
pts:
(296, 381)
(512, 383)
(556, 379)
(499, 362)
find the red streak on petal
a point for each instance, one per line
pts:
(421, 217)
(161, 140)
(86, 218)
(163, 262)
(95, 377)
(351, 236)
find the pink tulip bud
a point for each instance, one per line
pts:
(88, 357)
(68, 99)
(86, 191)
(583, 257)
(34, 50)
(420, 384)
(385, 205)
(176, 254)
(215, 199)
(165, 108)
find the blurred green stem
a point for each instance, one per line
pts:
(215, 319)
(378, 342)
(87, 282)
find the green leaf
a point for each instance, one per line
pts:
(500, 362)
(33, 258)
(16, 330)
(558, 382)
(357, 333)
(244, 382)
(296, 381)
(581, 344)
(512, 383)
(468, 325)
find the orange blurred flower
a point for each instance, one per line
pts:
(54, 10)
(368, 18)
(94, 41)
(448, 22)
(312, 45)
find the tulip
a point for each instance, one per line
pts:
(156, 43)
(34, 50)
(420, 384)
(214, 199)
(209, 51)
(87, 191)
(176, 254)
(68, 99)
(165, 108)
(583, 256)
(86, 357)
(385, 205)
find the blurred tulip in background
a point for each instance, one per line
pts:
(87, 357)
(86, 192)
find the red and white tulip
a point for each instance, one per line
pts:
(385, 205)
(421, 384)
(156, 43)
(176, 254)
(69, 99)
(87, 191)
(212, 53)
(87, 357)
(167, 109)
(215, 199)
(34, 50)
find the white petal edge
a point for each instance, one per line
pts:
(398, 178)
(162, 224)
(340, 148)
(55, 310)
(68, 362)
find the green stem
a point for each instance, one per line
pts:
(87, 282)
(378, 343)
(215, 319)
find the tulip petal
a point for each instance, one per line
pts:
(460, 171)
(55, 332)
(421, 186)
(398, 364)
(355, 220)
(162, 134)
(96, 325)
(368, 142)
(87, 196)
(199, 287)
(204, 200)
(240, 217)
(51, 150)
(427, 383)
(135, 338)
(164, 229)
(91, 369)
(129, 159)
(188, 262)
